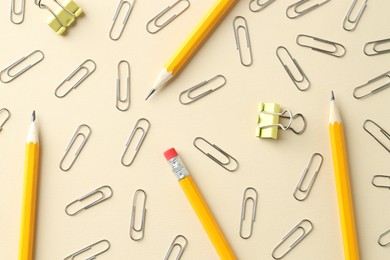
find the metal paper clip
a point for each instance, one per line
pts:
(155, 21)
(176, 243)
(305, 232)
(371, 82)
(17, 13)
(77, 134)
(333, 48)
(258, 6)
(386, 134)
(9, 76)
(141, 229)
(119, 100)
(373, 48)
(136, 128)
(87, 73)
(380, 242)
(6, 118)
(384, 177)
(243, 26)
(188, 92)
(245, 200)
(85, 249)
(124, 22)
(293, 11)
(98, 192)
(350, 24)
(301, 193)
(303, 80)
(230, 163)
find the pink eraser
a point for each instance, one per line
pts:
(169, 154)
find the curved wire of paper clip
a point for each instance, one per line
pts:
(124, 22)
(74, 255)
(236, 29)
(372, 92)
(297, 13)
(338, 50)
(120, 100)
(175, 243)
(386, 134)
(15, 13)
(371, 48)
(141, 229)
(350, 24)
(6, 119)
(381, 237)
(376, 177)
(245, 200)
(260, 6)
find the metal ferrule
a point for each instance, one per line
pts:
(178, 168)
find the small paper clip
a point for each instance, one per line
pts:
(141, 229)
(301, 83)
(74, 255)
(72, 142)
(2, 123)
(176, 243)
(377, 184)
(102, 197)
(245, 200)
(124, 22)
(373, 48)
(333, 48)
(258, 5)
(305, 232)
(293, 11)
(155, 21)
(15, 14)
(301, 193)
(11, 76)
(371, 82)
(88, 72)
(381, 130)
(243, 26)
(188, 92)
(381, 237)
(136, 128)
(229, 163)
(351, 24)
(119, 100)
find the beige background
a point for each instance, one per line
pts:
(226, 118)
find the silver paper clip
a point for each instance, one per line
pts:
(350, 24)
(229, 163)
(104, 193)
(305, 226)
(245, 199)
(378, 184)
(189, 98)
(141, 230)
(257, 5)
(77, 134)
(332, 48)
(125, 19)
(177, 243)
(2, 123)
(242, 26)
(296, 10)
(144, 131)
(363, 87)
(17, 16)
(381, 237)
(302, 83)
(87, 73)
(301, 193)
(373, 48)
(123, 102)
(104, 242)
(381, 130)
(155, 25)
(9, 76)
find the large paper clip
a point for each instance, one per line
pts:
(123, 104)
(17, 16)
(104, 193)
(384, 76)
(259, 5)
(77, 134)
(155, 25)
(301, 82)
(332, 48)
(227, 162)
(376, 136)
(87, 73)
(125, 19)
(245, 200)
(242, 26)
(379, 184)
(63, 16)
(188, 93)
(104, 248)
(296, 10)
(305, 226)
(301, 193)
(141, 230)
(177, 243)
(374, 48)
(381, 238)
(350, 24)
(8, 115)
(6, 74)
(137, 127)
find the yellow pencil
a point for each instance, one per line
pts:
(192, 43)
(200, 207)
(343, 186)
(27, 227)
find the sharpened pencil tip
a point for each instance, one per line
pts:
(332, 96)
(33, 116)
(151, 93)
